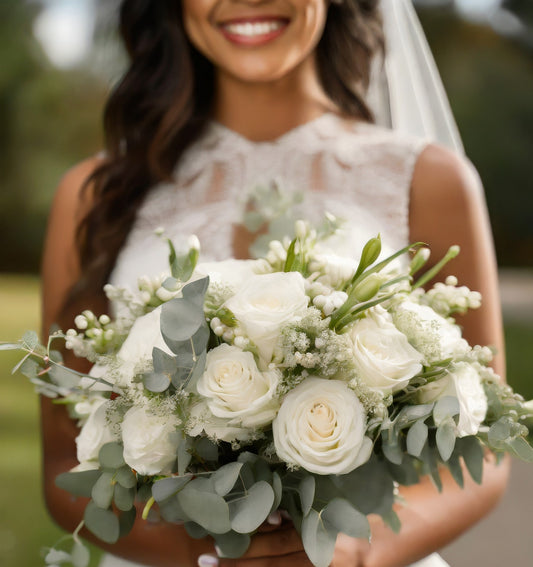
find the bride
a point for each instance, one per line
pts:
(221, 95)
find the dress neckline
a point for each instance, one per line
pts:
(318, 125)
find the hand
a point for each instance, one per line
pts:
(278, 544)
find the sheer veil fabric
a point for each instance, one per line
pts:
(406, 91)
(407, 95)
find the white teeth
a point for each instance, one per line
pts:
(250, 29)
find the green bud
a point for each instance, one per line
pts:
(419, 260)
(371, 251)
(226, 317)
(368, 288)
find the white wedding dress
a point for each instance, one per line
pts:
(356, 171)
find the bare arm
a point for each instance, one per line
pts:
(155, 543)
(448, 207)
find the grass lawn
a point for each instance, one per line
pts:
(24, 524)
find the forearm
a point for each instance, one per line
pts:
(431, 519)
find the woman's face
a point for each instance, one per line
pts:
(255, 40)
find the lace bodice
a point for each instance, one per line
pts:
(357, 171)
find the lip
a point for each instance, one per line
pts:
(246, 31)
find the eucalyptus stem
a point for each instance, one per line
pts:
(147, 508)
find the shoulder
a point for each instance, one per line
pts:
(70, 197)
(443, 177)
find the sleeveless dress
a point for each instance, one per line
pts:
(357, 171)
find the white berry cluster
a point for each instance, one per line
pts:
(447, 298)
(93, 335)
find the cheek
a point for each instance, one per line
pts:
(196, 16)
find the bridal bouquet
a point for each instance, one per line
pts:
(302, 381)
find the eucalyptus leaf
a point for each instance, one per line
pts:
(80, 555)
(111, 456)
(445, 408)
(164, 363)
(78, 483)
(102, 492)
(407, 473)
(391, 446)
(454, 465)
(30, 339)
(411, 414)
(180, 319)
(184, 455)
(306, 489)
(167, 487)
(250, 511)
(126, 521)
(318, 539)
(368, 488)
(522, 449)
(64, 377)
(30, 368)
(225, 477)
(195, 291)
(10, 346)
(198, 370)
(156, 382)
(102, 523)
(195, 530)
(472, 453)
(206, 449)
(172, 511)
(343, 517)
(500, 431)
(416, 438)
(393, 521)
(124, 497)
(232, 545)
(277, 487)
(445, 438)
(126, 477)
(205, 508)
(57, 556)
(262, 471)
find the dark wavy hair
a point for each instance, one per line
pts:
(162, 105)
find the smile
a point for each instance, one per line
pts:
(253, 32)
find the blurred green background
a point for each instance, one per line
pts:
(51, 97)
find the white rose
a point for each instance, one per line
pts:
(150, 441)
(229, 272)
(464, 383)
(267, 302)
(336, 270)
(383, 358)
(95, 433)
(136, 351)
(235, 389)
(436, 337)
(202, 420)
(321, 427)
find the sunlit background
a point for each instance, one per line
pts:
(58, 60)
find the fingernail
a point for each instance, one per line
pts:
(285, 514)
(207, 561)
(274, 518)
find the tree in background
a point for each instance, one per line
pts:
(50, 120)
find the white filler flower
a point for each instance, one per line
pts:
(383, 358)
(150, 441)
(464, 383)
(235, 389)
(321, 427)
(266, 303)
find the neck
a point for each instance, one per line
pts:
(265, 111)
